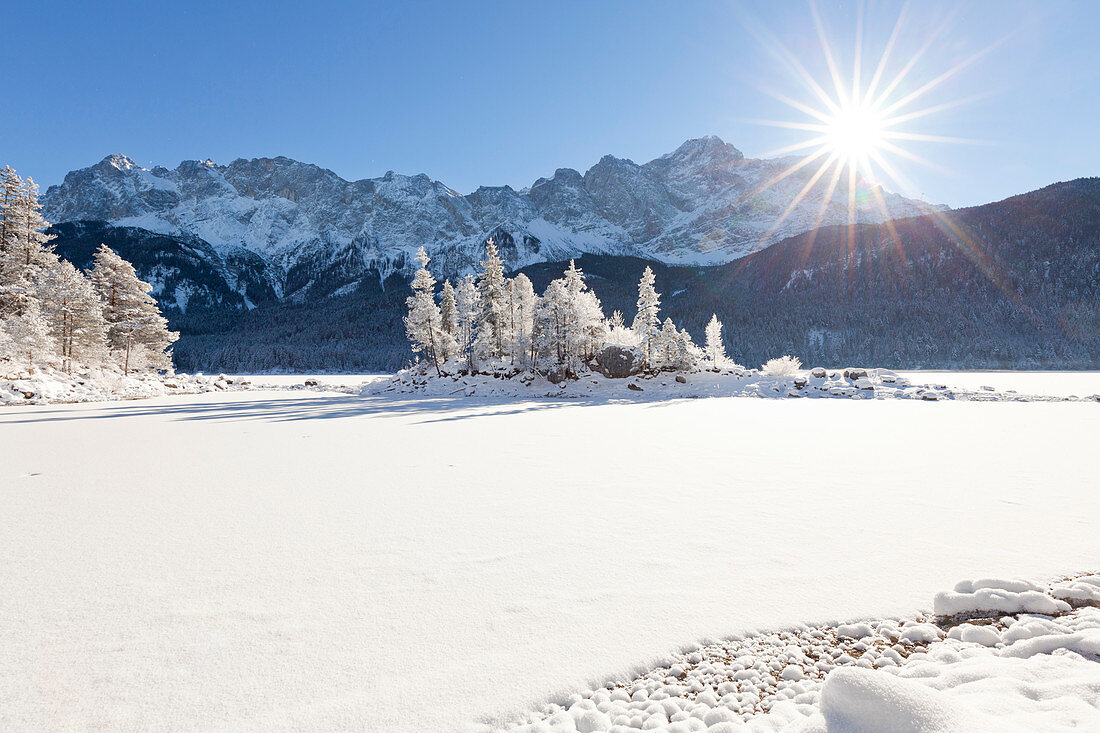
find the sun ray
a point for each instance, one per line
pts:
(817, 141)
(911, 156)
(788, 171)
(797, 199)
(898, 135)
(928, 86)
(925, 111)
(830, 62)
(880, 69)
(811, 126)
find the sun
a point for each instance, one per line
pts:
(856, 124)
(855, 133)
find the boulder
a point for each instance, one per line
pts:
(800, 382)
(617, 362)
(556, 376)
(311, 382)
(817, 373)
(855, 373)
(634, 387)
(681, 379)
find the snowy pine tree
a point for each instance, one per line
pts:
(647, 323)
(715, 351)
(24, 253)
(467, 307)
(490, 286)
(524, 302)
(448, 320)
(75, 314)
(137, 333)
(25, 338)
(448, 309)
(551, 316)
(424, 322)
(11, 193)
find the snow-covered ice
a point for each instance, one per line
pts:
(311, 560)
(1058, 384)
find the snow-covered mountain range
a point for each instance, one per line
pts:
(704, 203)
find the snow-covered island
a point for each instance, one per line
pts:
(493, 336)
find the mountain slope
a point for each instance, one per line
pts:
(704, 203)
(1009, 284)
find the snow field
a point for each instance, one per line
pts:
(305, 560)
(1057, 384)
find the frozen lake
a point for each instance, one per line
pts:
(273, 560)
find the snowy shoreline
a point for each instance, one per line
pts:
(53, 387)
(992, 654)
(817, 383)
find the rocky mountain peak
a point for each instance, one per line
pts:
(700, 204)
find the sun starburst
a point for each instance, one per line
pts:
(857, 131)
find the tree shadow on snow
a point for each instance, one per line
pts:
(321, 406)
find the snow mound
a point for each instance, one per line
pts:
(855, 700)
(1081, 590)
(986, 596)
(48, 386)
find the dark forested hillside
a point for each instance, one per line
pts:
(1010, 284)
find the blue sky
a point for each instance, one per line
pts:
(504, 92)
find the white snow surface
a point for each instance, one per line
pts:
(1058, 384)
(308, 560)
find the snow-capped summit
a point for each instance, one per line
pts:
(704, 203)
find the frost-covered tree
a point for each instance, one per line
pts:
(467, 306)
(75, 313)
(715, 351)
(569, 324)
(24, 246)
(491, 318)
(448, 309)
(674, 350)
(585, 325)
(25, 338)
(448, 314)
(423, 324)
(136, 331)
(551, 316)
(11, 192)
(524, 303)
(647, 323)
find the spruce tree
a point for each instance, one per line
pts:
(448, 309)
(524, 303)
(490, 286)
(647, 322)
(448, 319)
(423, 324)
(467, 306)
(715, 351)
(136, 331)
